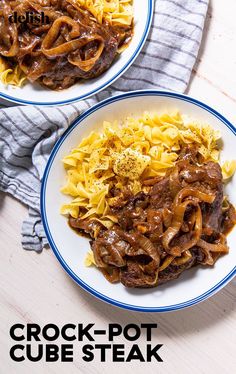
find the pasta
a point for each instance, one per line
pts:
(13, 76)
(115, 11)
(149, 192)
(228, 169)
(124, 153)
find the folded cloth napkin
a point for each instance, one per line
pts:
(27, 134)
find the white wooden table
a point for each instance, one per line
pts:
(35, 289)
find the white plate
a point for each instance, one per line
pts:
(34, 94)
(195, 284)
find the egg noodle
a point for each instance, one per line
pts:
(125, 154)
(13, 76)
(117, 12)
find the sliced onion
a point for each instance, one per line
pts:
(176, 224)
(186, 256)
(149, 248)
(174, 184)
(218, 247)
(112, 277)
(193, 192)
(168, 260)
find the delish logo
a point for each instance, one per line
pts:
(29, 17)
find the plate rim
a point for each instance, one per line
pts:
(52, 244)
(106, 84)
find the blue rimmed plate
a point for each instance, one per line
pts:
(194, 285)
(34, 94)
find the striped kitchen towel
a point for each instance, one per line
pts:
(27, 134)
